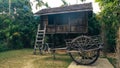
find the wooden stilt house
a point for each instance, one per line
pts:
(72, 19)
(67, 19)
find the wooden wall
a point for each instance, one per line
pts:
(66, 23)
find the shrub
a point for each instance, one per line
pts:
(15, 41)
(3, 47)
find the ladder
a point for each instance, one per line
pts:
(39, 42)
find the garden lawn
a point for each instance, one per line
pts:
(24, 58)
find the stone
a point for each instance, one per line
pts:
(100, 63)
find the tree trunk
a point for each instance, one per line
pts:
(118, 49)
(103, 35)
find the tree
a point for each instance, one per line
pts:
(18, 29)
(109, 18)
(64, 3)
(40, 3)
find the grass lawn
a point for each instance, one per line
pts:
(113, 61)
(25, 59)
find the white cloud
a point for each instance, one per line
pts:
(57, 3)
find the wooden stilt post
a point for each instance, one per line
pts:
(54, 46)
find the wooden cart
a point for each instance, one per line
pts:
(71, 19)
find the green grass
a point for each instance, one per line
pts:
(14, 53)
(61, 61)
(112, 61)
(24, 59)
(14, 58)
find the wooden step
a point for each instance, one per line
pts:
(39, 36)
(41, 30)
(39, 40)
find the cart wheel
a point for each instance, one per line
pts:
(82, 50)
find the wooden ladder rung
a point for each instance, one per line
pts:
(40, 33)
(41, 30)
(39, 40)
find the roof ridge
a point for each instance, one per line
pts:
(76, 7)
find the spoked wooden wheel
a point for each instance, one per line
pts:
(83, 50)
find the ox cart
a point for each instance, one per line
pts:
(71, 20)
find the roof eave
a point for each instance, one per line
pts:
(63, 12)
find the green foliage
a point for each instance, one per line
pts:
(64, 3)
(110, 20)
(93, 25)
(3, 47)
(40, 3)
(14, 41)
(18, 29)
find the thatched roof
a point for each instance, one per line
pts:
(66, 9)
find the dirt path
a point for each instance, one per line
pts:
(29, 62)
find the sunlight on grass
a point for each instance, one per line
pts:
(14, 58)
(25, 59)
(61, 61)
(15, 53)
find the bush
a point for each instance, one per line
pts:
(15, 41)
(3, 47)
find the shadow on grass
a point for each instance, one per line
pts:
(59, 57)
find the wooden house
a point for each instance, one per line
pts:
(67, 19)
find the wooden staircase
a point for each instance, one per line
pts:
(39, 42)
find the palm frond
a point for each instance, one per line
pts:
(46, 4)
(40, 3)
(64, 3)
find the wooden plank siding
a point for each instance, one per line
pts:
(65, 29)
(66, 23)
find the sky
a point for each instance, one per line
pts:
(57, 3)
